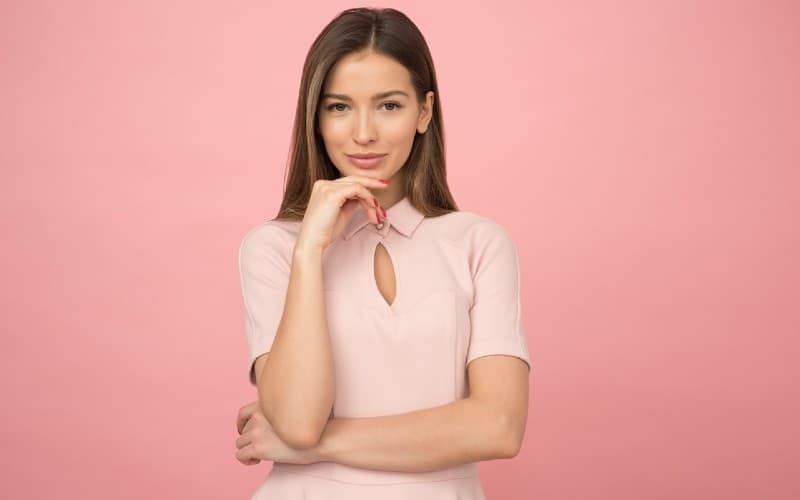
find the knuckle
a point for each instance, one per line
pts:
(319, 184)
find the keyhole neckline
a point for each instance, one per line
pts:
(376, 291)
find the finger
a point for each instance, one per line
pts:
(363, 179)
(246, 454)
(245, 413)
(352, 204)
(253, 461)
(356, 190)
(371, 210)
(372, 207)
(362, 202)
(253, 422)
(244, 440)
(251, 432)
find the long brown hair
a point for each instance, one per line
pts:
(391, 33)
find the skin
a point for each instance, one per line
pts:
(364, 124)
(353, 118)
(490, 423)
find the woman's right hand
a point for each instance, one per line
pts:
(331, 206)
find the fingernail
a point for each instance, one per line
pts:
(384, 212)
(375, 200)
(384, 181)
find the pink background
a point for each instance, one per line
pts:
(644, 156)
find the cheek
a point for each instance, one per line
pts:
(400, 131)
(334, 130)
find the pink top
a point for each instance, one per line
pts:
(457, 298)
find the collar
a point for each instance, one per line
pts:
(402, 216)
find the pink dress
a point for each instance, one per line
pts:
(457, 299)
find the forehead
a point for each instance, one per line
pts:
(364, 74)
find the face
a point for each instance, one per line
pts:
(368, 105)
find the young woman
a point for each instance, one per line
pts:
(370, 295)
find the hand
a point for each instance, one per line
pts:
(258, 441)
(332, 205)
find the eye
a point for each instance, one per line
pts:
(394, 106)
(332, 106)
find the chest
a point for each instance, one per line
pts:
(393, 275)
(397, 316)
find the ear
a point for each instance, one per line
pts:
(426, 113)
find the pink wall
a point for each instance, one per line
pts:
(643, 154)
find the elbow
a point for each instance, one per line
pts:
(292, 433)
(296, 434)
(299, 433)
(510, 438)
(511, 448)
(298, 438)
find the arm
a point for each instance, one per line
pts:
(296, 387)
(295, 379)
(487, 425)
(491, 422)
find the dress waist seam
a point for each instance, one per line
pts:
(328, 478)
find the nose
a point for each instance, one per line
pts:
(364, 128)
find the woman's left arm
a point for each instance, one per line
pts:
(487, 425)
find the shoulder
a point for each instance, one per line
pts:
(271, 238)
(471, 230)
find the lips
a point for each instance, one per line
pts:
(366, 156)
(366, 160)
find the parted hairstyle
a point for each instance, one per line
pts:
(391, 33)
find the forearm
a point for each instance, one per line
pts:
(297, 383)
(463, 431)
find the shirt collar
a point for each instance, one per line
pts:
(402, 216)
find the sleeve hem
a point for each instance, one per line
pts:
(508, 348)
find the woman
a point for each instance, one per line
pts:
(370, 295)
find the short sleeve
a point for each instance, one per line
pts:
(264, 277)
(496, 325)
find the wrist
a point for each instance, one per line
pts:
(304, 251)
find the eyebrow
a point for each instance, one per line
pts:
(374, 98)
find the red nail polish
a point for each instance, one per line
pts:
(375, 200)
(384, 212)
(384, 181)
